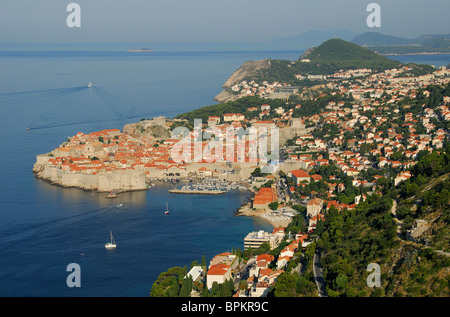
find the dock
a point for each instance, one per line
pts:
(196, 191)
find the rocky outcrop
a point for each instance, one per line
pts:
(247, 69)
(307, 52)
(225, 96)
(155, 128)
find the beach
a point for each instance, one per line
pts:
(275, 221)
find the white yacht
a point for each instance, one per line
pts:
(112, 244)
(90, 85)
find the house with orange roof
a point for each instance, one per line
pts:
(229, 117)
(402, 177)
(299, 176)
(203, 172)
(218, 273)
(213, 120)
(264, 197)
(282, 261)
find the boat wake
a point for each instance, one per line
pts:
(122, 111)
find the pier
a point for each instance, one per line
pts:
(197, 191)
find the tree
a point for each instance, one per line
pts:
(203, 261)
(274, 205)
(341, 281)
(186, 287)
(168, 283)
(286, 285)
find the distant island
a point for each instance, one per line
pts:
(140, 50)
(428, 44)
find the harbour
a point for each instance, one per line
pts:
(209, 186)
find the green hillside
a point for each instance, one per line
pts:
(327, 58)
(345, 54)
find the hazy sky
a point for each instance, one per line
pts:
(211, 20)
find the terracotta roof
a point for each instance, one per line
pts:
(300, 173)
(218, 269)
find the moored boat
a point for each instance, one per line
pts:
(112, 243)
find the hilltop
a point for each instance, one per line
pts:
(335, 54)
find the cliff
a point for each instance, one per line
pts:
(155, 128)
(248, 69)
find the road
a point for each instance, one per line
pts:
(318, 275)
(243, 272)
(394, 214)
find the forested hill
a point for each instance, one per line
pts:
(328, 58)
(343, 54)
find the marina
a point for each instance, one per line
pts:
(209, 187)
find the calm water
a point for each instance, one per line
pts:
(43, 228)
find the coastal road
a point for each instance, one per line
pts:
(318, 275)
(243, 272)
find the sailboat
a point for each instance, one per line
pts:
(167, 208)
(112, 244)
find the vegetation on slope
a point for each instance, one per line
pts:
(328, 58)
(351, 240)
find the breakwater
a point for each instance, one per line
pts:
(196, 191)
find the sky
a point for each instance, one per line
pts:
(44, 21)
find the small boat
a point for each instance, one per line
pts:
(111, 195)
(90, 85)
(112, 244)
(28, 129)
(167, 209)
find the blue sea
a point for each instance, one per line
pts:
(44, 228)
